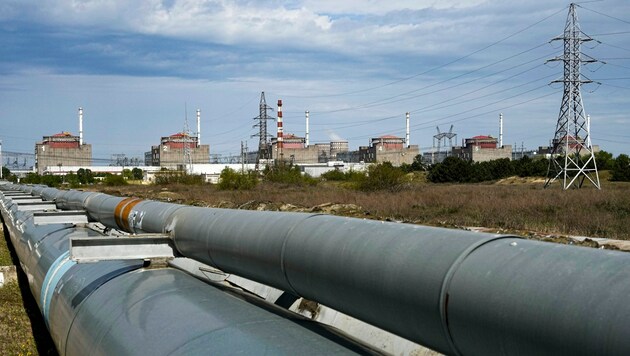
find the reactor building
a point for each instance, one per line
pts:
(172, 151)
(61, 150)
(54, 152)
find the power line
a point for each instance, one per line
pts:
(430, 123)
(611, 33)
(425, 109)
(389, 100)
(434, 68)
(609, 16)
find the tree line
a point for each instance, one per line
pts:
(383, 176)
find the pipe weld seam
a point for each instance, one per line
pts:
(56, 271)
(283, 251)
(447, 282)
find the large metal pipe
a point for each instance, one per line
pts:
(121, 308)
(454, 291)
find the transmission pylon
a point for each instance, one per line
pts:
(451, 135)
(572, 158)
(264, 148)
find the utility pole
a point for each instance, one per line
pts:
(243, 156)
(572, 158)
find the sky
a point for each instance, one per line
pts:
(140, 68)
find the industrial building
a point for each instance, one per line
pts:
(171, 152)
(482, 148)
(295, 150)
(179, 150)
(387, 148)
(569, 144)
(61, 150)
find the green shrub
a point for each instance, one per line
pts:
(85, 176)
(32, 178)
(604, 160)
(114, 179)
(72, 180)
(621, 169)
(382, 176)
(232, 180)
(166, 177)
(137, 174)
(287, 174)
(452, 169)
(350, 176)
(334, 175)
(50, 180)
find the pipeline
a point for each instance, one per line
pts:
(123, 308)
(457, 292)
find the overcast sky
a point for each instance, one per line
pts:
(137, 67)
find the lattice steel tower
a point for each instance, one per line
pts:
(264, 149)
(572, 157)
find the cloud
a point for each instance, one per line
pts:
(335, 58)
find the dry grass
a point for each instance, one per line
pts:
(511, 205)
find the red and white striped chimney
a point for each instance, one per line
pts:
(280, 130)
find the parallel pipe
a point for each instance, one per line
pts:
(121, 308)
(454, 291)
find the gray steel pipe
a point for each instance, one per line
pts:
(454, 291)
(120, 308)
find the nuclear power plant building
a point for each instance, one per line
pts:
(61, 150)
(170, 153)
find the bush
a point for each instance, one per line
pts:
(621, 169)
(72, 180)
(166, 177)
(137, 174)
(51, 181)
(232, 180)
(287, 174)
(85, 176)
(114, 179)
(526, 167)
(382, 176)
(349, 176)
(604, 160)
(452, 169)
(334, 175)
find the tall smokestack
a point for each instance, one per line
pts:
(306, 135)
(198, 127)
(501, 130)
(407, 132)
(280, 130)
(80, 126)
